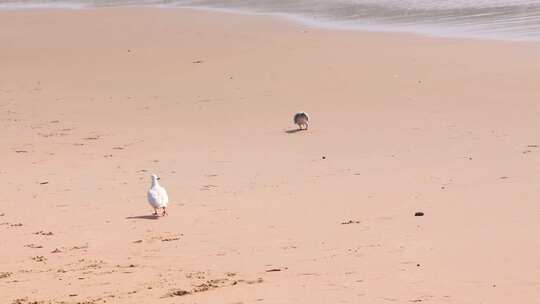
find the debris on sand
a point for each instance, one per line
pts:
(419, 213)
(177, 293)
(33, 246)
(4, 275)
(350, 222)
(273, 270)
(170, 239)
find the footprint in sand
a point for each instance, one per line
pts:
(41, 232)
(209, 285)
(39, 258)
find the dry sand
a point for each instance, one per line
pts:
(93, 101)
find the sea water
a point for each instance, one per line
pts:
(490, 19)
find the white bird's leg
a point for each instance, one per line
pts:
(307, 126)
(164, 211)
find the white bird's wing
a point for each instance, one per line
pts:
(153, 198)
(163, 197)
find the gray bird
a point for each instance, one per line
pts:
(301, 119)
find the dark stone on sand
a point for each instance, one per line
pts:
(419, 213)
(324, 157)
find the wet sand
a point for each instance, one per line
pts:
(94, 101)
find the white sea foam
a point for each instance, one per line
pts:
(492, 19)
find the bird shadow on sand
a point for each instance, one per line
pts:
(143, 217)
(292, 131)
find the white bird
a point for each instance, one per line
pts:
(301, 119)
(157, 196)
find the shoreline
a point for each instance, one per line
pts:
(94, 101)
(430, 31)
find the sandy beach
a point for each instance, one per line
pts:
(94, 101)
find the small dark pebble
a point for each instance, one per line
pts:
(419, 214)
(43, 183)
(417, 265)
(324, 157)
